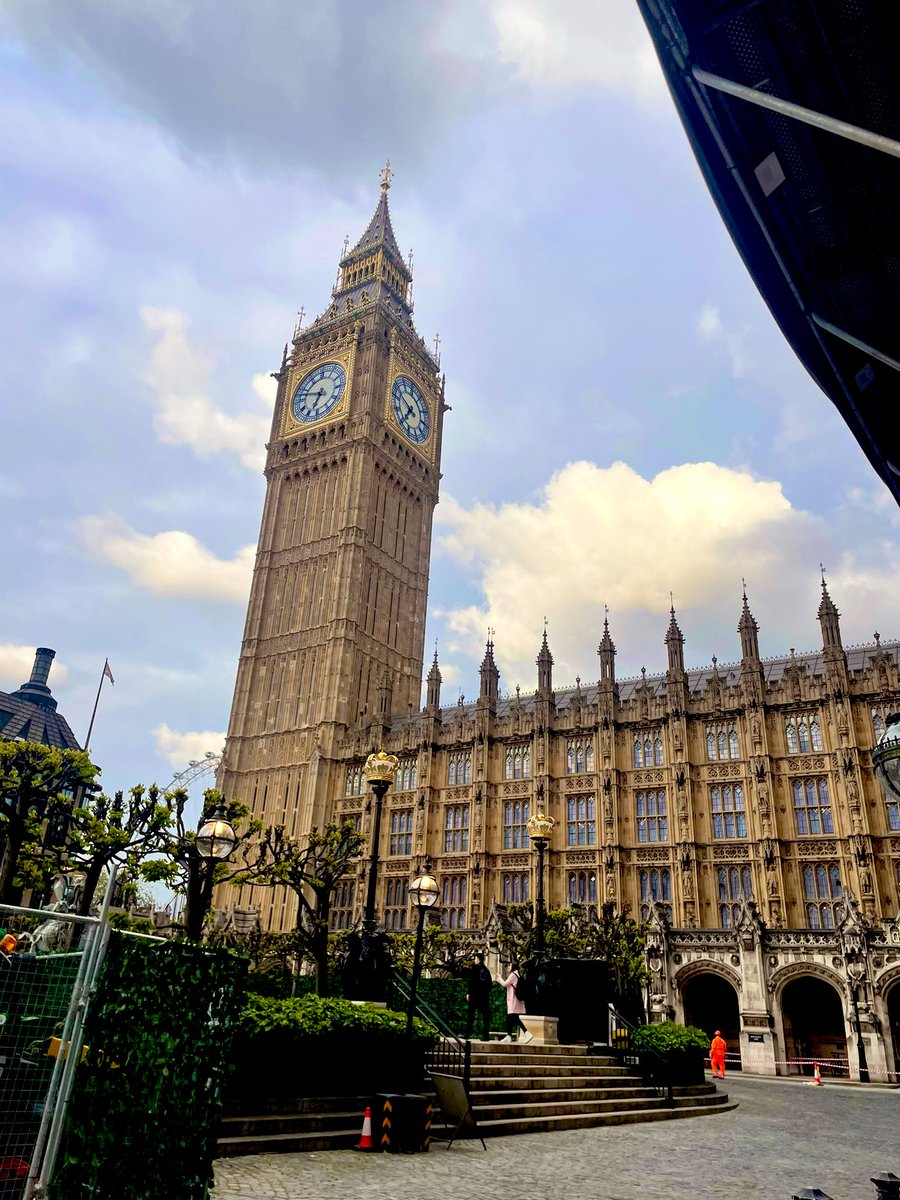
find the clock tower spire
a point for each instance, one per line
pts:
(340, 583)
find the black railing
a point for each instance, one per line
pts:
(654, 1067)
(453, 1054)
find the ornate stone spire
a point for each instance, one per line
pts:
(433, 701)
(490, 676)
(674, 640)
(829, 620)
(748, 629)
(545, 668)
(607, 652)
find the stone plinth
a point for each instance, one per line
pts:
(542, 1029)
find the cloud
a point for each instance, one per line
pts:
(16, 663)
(712, 331)
(173, 563)
(179, 373)
(602, 42)
(178, 749)
(597, 535)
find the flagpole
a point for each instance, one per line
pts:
(87, 740)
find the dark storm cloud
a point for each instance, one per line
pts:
(272, 84)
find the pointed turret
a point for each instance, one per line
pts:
(545, 669)
(748, 629)
(385, 694)
(607, 652)
(490, 676)
(374, 270)
(829, 620)
(433, 701)
(674, 640)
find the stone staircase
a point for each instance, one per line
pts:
(514, 1089)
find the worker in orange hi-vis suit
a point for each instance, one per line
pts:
(717, 1050)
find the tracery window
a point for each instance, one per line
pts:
(456, 828)
(342, 905)
(581, 823)
(579, 756)
(582, 887)
(734, 883)
(516, 887)
(722, 741)
(459, 768)
(652, 816)
(812, 806)
(453, 901)
(802, 733)
(401, 831)
(515, 822)
(656, 885)
(729, 818)
(406, 775)
(822, 890)
(356, 782)
(518, 762)
(647, 750)
(396, 904)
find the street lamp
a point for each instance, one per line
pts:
(425, 894)
(215, 841)
(886, 756)
(539, 829)
(856, 970)
(379, 771)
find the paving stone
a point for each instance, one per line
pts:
(784, 1136)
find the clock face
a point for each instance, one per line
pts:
(319, 392)
(410, 409)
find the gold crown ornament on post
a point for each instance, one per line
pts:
(540, 825)
(381, 767)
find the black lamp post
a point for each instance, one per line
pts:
(380, 770)
(539, 829)
(856, 969)
(424, 893)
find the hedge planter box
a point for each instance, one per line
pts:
(273, 1065)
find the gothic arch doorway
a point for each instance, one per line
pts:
(814, 1026)
(711, 1003)
(893, 1010)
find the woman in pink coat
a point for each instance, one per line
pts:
(514, 1006)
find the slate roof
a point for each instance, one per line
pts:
(31, 713)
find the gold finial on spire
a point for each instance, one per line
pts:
(386, 176)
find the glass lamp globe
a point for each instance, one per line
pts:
(886, 756)
(423, 890)
(216, 837)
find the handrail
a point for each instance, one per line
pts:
(640, 1053)
(453, 1054)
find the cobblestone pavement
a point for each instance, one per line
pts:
(785, 1136)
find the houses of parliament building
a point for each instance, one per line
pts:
(734, 808)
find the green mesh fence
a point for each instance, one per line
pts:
(143, 1117)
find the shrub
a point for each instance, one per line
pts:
(301, 1018)
(670, 1038)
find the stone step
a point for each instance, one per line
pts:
(294, 1105)
(301, 1122)
(562, 1108)
(538, 1058)
(513, 1081)
(493, 1047)
(548, 1124)
(288, 1143)
(552, 1072)
(538, 1095)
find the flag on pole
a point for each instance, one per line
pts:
(107, 672)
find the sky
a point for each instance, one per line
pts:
(627, 420)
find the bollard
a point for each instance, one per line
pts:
(887, 1186)
(811, 1194)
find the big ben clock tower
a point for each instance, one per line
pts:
(336, 617)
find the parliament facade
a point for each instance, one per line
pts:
(734, 808)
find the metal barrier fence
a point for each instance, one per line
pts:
(46, 984)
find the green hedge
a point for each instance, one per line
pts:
(668, 1037)
(302, 1018)
(448, 998)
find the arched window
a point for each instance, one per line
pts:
(722, 741)
(582, 887)
(396, 904)
(526, 763)
(515, 888)
(822, 889)
(401, 831)
(652, 816)
(570, 760)
(451, 773)
(812, 806)
(657, 751)
(509, 764)
(456, 829)
(790, 733)
(581, 822)
(803, 737)
(648, 753)
(453, 901)
(728, 815)
(733, 744)
(515, 825)
(589, 757)
(815, 734)
(711, 746)
(723, 746)
(638, 755)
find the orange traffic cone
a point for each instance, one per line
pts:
(365, 1138)
(817, 1078)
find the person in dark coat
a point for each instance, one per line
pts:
(478, 978)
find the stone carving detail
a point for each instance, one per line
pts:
(652, 854)
(507, 861)
(581, 858)
(730, 853)
(516, 789)
(455, 864)
(457, 793)
(817, 849)
(398, 866)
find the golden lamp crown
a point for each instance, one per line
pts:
(540, 825)
(381, 767)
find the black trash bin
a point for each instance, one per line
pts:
(401, 1123)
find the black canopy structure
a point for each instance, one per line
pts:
(792, 108)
